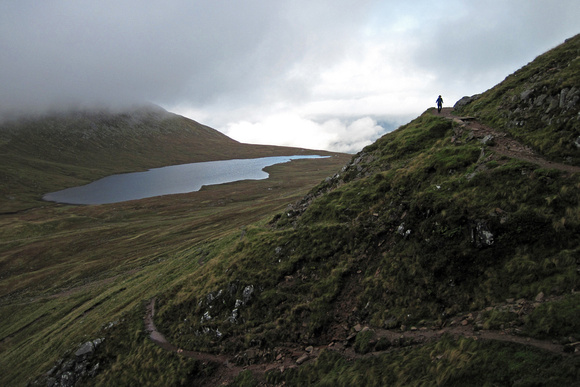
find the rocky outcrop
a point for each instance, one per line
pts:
(465, 101)
(552, 107)
(68, 372)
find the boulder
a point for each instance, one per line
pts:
(302, 359)
(85, 349)
(481, 236)
(465, 101)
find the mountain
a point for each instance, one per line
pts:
(446, 253)
(60, 150)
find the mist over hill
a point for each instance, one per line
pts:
(446, 253)
(40, 154)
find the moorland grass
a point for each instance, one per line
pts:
(69, 271)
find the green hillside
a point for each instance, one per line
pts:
(538, 104)
(422, 228)
(435, 256)
(67, 271)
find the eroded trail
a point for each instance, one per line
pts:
(292, 356)
(503, 143)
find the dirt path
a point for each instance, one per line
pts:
(292, 356)
(504, 144)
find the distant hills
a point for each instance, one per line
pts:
(43, 154)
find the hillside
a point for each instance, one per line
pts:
(61, 150)
(446, 253)
(538, 104)
(67, 270)
(427, 228)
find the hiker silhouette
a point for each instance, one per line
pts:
(439, 104)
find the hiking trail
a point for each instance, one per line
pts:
(503, 143)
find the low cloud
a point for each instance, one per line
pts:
(270, 67)
(293, 130)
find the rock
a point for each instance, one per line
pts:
(487, 140)
(309, 349)
(540, 297)
(563, 97)
(69, 372)
(552, 105)
(206, 317)
(357, 327)
(577, 142)
(247, 293)
(86, 348)
(481, 235)
(302, 359)
(540, 100)
(526, 94)
(465, 101)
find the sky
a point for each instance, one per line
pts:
(319, 74)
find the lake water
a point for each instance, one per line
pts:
(168, 180)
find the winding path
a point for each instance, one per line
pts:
(292, 355)
(503, 143)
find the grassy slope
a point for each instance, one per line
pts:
(538, 104)
(355, 236)
(67, 271)
(401, 236)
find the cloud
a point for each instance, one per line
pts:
(62, 52)
(251, 66)
(293, 130)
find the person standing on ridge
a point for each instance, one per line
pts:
(439, 104)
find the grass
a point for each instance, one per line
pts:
(449, 362)
(551, 129)
(405, 237)
(67, 271)
(556, 319)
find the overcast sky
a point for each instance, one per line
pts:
(323, 74)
